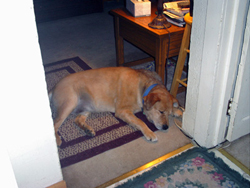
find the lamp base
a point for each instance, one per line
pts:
(159, 22)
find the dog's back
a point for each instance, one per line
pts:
(100, 86)
(151, 75)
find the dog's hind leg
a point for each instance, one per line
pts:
(63, 111)
(81, 122)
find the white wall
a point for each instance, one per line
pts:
(27, 133)
(216, 43)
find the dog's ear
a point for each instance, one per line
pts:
(150, 100)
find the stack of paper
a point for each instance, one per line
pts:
(175, 13)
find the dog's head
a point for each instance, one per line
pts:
(158, 106)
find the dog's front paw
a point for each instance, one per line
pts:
(90, 131)
(151, 136)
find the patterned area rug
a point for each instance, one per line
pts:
(110, 131)
(195, 168)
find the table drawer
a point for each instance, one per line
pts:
(146, 40)
(137, 35)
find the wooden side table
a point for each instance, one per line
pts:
(153, 41)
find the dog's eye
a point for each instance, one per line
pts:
(162, 112)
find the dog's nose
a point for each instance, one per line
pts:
(165, 127)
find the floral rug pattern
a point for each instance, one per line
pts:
(195, 168)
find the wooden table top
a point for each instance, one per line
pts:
(144, 21)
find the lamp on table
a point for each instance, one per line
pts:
(159, 22)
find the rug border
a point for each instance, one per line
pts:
(76, 59)
(211, 155)
(68, 68)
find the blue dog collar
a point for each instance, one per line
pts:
(147, 91)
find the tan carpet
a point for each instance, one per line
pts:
(113, 163)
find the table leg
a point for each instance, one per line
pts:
(160, 58)
(119, 44)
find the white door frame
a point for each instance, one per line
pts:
(216, 44)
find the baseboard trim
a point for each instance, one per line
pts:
(61, 184)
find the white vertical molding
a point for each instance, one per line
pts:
(212, 70)
(209, 67)
(195, 62)
(26, 123)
